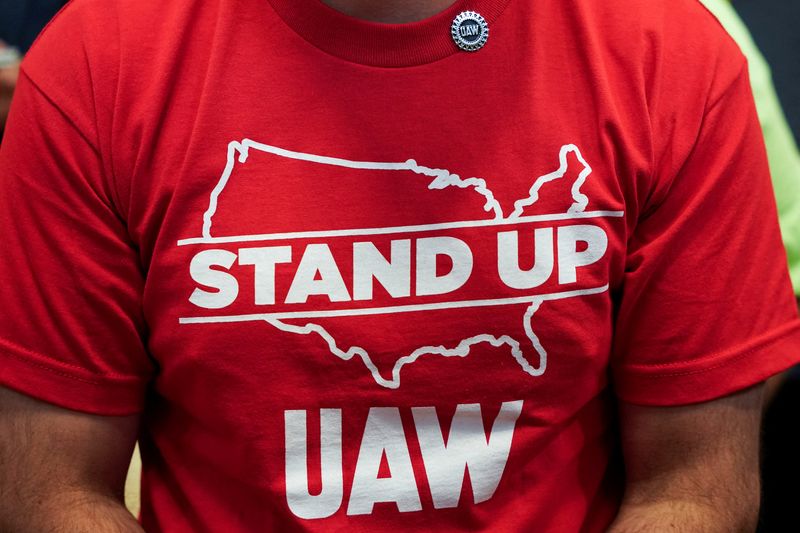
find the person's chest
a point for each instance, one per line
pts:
(365, 248)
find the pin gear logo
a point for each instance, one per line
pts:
(470, 31)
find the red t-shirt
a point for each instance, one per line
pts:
(354, 277)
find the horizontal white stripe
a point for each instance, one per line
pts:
(393, 309)
(398, 229)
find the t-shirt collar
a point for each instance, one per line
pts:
(380, 44)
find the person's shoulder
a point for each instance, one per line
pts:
(678, 46)
(101, 25)
(79, 58)
(669, 16)
(134, 11)
(93, 39)
(684, 26)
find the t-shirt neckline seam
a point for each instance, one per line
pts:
(290, 14)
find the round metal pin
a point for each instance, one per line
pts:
(470, 31)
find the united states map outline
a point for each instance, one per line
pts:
(239, 151)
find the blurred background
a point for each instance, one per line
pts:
(774, 27)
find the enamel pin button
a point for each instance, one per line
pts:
(470, 31)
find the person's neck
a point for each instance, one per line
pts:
(390, 11)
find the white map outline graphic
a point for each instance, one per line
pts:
(442, 179)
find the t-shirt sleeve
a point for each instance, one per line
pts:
(706, 306)
(71, 281)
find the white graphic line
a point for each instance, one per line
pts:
(580, 199)
(400, 229)
(332, 313)
(461, 350)
(442, 177)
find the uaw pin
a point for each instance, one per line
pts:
(470, 31)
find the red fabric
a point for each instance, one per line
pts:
(225, 215)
